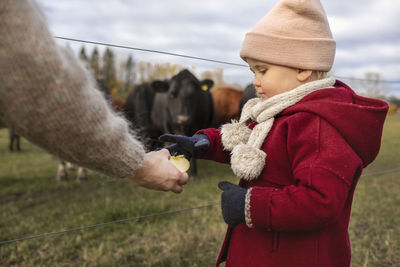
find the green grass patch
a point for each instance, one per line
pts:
(33, 202)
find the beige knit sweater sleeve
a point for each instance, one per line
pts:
(48, 97)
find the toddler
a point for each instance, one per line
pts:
(298, 149)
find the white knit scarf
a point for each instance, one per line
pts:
(247, 157)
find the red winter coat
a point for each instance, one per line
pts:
(300, 205)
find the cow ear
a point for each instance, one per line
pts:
(206, 84)
(160, 86)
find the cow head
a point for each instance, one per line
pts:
(187, 100)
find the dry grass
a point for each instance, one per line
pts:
(32, 202)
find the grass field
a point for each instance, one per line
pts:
(32, 202)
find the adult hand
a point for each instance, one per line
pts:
(195, 146)
(158, 173)
(232, 203)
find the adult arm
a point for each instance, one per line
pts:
(48, 97)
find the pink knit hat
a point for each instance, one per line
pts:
(295, 33)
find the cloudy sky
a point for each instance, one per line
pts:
(367, 32)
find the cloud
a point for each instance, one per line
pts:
(367, 32)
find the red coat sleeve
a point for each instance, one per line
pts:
(323, 166)
(216, 151)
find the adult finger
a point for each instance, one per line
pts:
(177, 188)
(184, 178)
(164, 152)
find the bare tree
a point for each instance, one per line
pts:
(372, 85)
(217, 75)
(146, 71)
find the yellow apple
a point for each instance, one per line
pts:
(180, 162)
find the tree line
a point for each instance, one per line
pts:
(122, 76)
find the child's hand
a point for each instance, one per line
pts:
(195, 146)
(232, 203)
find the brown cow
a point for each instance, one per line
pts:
(117, 103)
(226, 105)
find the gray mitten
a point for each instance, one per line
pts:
(232, 203)
(195, 146)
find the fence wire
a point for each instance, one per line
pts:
(151, 50)
(147, 216)
(106, 223)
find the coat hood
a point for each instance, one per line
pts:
(358, 119)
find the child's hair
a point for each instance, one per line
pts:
(319, 75)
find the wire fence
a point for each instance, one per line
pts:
(165, 213)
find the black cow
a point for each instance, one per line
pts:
(13, 138)
(248, 93)
(137, 110)
(181, 105)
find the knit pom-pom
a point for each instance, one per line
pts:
(233, 134)
(247, 162)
